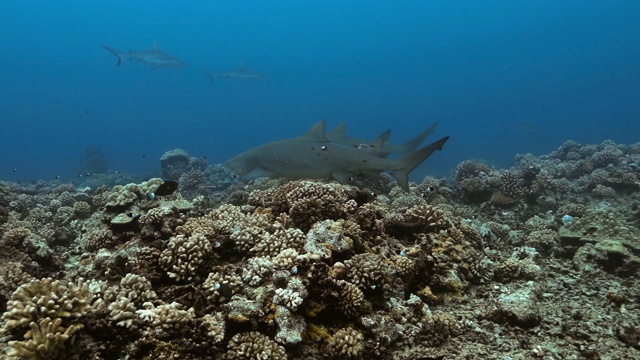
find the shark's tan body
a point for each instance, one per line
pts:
(314, 156)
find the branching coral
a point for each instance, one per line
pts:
(281, 239)
(351, 300)
(184, 256)
(39, 299)
(98, 238)
(428, 217)
(253, 346)
(164, 320)
(346, 343)
(220, 286)
(50, 310)
(368, 271)
(123, 196)
(44, 340)
(307, 202)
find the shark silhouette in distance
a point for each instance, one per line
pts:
(154, 57)
(241, 72)
(313, 156)
(339, 135)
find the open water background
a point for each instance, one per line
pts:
(500, 77)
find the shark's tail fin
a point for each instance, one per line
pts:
(115, 52)
(212, 76)
(413, 143)
(411, 160)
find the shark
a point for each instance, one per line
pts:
(338, 135)
(314, 156)
(241, 72)
(154, 57)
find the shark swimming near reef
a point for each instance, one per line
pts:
(339, 135)
(154, 57)
(314, 156)
(241, 72)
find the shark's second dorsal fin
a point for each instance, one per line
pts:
(316, 132)
(338, 132)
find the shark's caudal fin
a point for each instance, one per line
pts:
(413, 159)
(115, 52)
(414, 142)
(210, 74)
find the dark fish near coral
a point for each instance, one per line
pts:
(168, 187)
(313, 156)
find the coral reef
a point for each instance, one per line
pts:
(540, 260)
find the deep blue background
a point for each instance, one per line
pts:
(500, 77)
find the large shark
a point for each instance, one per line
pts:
(154, 57)
(313, 156)
(241, 72)
(339, 135)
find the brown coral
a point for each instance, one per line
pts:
(351, 300)
(82, 209)
(368, 271)
(15, 236)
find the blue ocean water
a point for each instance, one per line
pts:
(500, 77)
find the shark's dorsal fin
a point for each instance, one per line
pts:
(155, 46)
(384, 136)
(316, 132)
(378, 143)
(338, 131)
